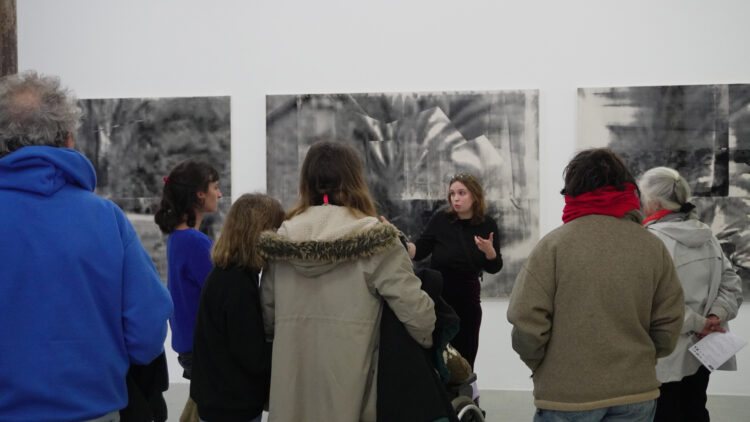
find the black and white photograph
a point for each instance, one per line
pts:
(133, 144)
(411, 145)
(702, 131)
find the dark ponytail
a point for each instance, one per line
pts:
(179, 199)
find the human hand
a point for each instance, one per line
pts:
(412, 248)
(485, 245)
(713, 325)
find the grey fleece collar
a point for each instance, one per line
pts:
(348, 248)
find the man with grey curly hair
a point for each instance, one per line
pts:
(36, 110)
(80, 298)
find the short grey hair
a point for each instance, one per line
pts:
(664, 186)
(35, 110)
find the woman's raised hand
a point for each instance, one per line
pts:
(485, 245)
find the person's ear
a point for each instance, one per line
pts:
(69, 141)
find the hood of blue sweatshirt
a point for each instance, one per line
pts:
(45, 170)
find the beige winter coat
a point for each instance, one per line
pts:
(322, 296)
(594, 306)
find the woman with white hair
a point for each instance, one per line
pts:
(712, 288)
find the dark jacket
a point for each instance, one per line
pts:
(409, 388)
(231, 359)
(146, 383)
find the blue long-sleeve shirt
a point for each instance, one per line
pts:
(188, 265)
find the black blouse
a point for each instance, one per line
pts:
(451, 243)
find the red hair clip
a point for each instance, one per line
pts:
(325, 198)
(165, 179)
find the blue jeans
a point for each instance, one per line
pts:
(635, 412)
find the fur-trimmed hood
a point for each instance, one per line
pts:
(322, 237)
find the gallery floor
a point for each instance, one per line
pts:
(516, 406)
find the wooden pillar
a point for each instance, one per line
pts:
(8, 38)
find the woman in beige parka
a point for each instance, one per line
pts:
(331, 265)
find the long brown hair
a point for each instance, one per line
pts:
(247, 218)
(479, 207)
(333, 169)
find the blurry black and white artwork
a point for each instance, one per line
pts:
(702, 131)
(134, 142)
(411, 145)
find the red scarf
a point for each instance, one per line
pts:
(656, 216)
(604, 201)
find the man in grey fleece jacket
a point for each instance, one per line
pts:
(597, 302)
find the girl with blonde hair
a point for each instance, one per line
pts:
(231, 359)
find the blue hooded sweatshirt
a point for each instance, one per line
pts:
(80, 300)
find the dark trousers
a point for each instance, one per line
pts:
(461, 291)
(684, 400)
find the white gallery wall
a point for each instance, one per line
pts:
(247, 49)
